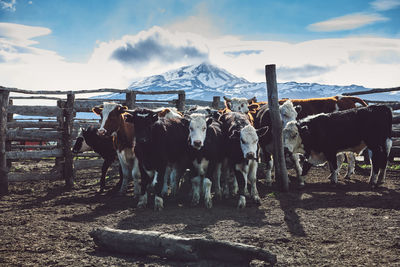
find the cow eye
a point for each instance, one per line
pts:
(204, 128)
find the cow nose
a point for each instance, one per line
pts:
(197, 143)
(101, 131)
(250, 155)
(287, 152)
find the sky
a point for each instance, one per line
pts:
(89, 44)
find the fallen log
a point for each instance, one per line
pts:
(173, 247)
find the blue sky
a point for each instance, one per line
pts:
(56, 44)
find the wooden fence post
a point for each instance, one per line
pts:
(3, 136)
(180, 105)
(10, 118)
(68, 172)
(281, 174)
(215, 103)
(131, 99)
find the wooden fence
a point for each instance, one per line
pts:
(58, 126)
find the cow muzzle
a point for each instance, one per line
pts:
(197, 144)
(287, 152)
(250, 155)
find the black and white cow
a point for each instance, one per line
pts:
(103, 145)
(206, 154)
(160, 143)
(241, 143)
(261, 119)
(322, 136)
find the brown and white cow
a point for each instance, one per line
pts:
(113, 124)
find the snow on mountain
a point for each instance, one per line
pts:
(202, 82)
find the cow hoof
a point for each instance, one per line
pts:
(242, 202)
(158, 203)
(142, 201)
(195, 201)
(208, 203)
(257, 199)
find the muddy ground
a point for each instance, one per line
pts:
(321, 225)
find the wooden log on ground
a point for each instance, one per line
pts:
(36, 110)
(32, 176)
(3, 138)
(177, 248)
(36, 135)
(281, 174)
(34, 154)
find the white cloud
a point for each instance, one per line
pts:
(21, 34)
(8, 5)
(347, 22)
(383, 5)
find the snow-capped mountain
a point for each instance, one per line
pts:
(202, 82)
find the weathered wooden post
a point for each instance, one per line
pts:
(281, 174)
(180, 105)
(59, 164)
(215, 103)
(68, 172)
(131, 99)
(10, 118)
(3, 136)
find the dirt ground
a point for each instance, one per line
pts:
(320, 225)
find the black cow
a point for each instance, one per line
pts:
(161, 145)
(322, 136)
(206, 154)
(241, 142)
(102, 145)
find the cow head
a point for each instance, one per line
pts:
(168, 113)
(288, 112)
(249, 140)
(197, 129)
(111, 117)
(80, 143)
(292, 140)
(143, 119)
(239, 104)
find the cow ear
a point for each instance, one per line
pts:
(185, 121)
(209, 121)
(298, 108)
(128, 117)
(253, 107)
(262, 131)
(97, 110)
(252, 100)
(228, 102)
(122, 109)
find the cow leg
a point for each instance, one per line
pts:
(207, 193)
(269, 164)
(332, 160)
(158, 200)
(167, 175)
(306, 167)
(104, 168)
(351, 160)
(196, 190)
(383, 165)
(253, 164)
(296, 161)
(340, 157)
(135, 175)
(374, 157)
(146, 178)
(241, 172)
(126, 178)
(217, 180)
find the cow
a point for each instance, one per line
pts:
(113, 124)
(161, 145)
(261, 119)
(238, 104)
(321, 137)
(241, 142)
(103, 145)
(206, 154)
(168, 112)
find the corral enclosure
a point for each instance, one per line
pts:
(45, 224)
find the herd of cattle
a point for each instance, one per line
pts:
(156, 148)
